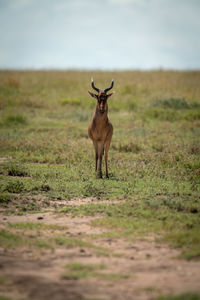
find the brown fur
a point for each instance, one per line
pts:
(100, 131)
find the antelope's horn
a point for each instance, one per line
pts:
(93, 86)
(108, 89)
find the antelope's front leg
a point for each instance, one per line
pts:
(100, 155)
(107, 146)
(96, 154)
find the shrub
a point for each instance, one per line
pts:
(4, 199)
(162, 114)
(174, 103)
(14, 169)
(14, 187)
(192, 115)
(14, 119)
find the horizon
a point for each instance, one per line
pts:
(95, 70)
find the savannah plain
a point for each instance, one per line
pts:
(64, 234)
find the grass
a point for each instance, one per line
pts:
(186, 296)
(18, 235)
(179, 225)
(78, 270)
(2, 280)
(11, 240)
(14, 187)
(176, 103)
(154, 160)
(14, 120)
(113, 276)
(15, 169)
(5, 199)
(5, 298)
(14, 240)
(71, 242)
(35, 226)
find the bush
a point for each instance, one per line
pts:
(14, 187)
(14, 119)
(162, 114)
(16, 170)
(4, 199)
(192, 115)
(175, 103)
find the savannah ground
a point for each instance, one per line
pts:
(65, 234)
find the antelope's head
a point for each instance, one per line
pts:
(101, 97)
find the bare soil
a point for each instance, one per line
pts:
(153, 268)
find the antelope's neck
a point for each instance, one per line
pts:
(101, 118)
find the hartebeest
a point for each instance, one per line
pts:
(100, 129)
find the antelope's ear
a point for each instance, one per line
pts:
(108, 95)
(93, 95)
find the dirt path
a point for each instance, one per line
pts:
(144, 269)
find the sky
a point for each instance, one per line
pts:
(100, 34)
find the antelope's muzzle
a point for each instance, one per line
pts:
(101, 108)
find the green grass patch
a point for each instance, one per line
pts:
(71, 101)
(2, 280)
(9, 240)
(87, 209)
(15, 169)
(20, 239)
(5, 198)
(113, 276)
(79, 270)
(70, 242)
(176, 103)
(185, 296)
(14, 120)
(35, 226)
(14, 187)
(4, 298)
